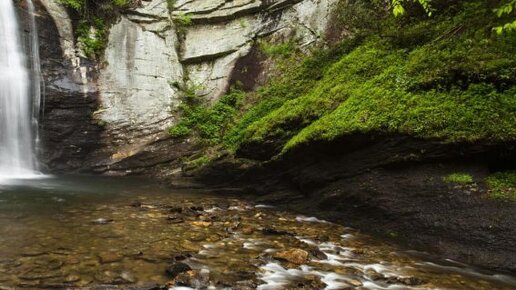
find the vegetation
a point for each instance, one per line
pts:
(183, 20)
(458, 178)
(92, 29)
(505, 10)
(502, 185)
(284, 49)
(446, 77)
(209, 123)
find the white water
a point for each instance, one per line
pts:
(19, 97)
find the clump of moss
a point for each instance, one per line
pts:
(458, 178)
(502, 185)
(284, 49)
(92, 37)
(207, 122)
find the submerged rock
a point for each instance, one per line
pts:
(177, 268)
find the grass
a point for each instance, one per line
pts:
(502, 185)
(458, 178)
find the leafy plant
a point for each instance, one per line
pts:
(183, 19)
(506, 10)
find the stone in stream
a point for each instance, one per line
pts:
(192, 278)
(72, 278)
(275, 232)
(175, 219)
(294, 256)
(201, 224)
(109, 257)
(102, 221)
(197, 237)
(176, 269)
(175, 209)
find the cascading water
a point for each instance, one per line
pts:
(19, 97)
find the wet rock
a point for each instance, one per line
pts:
(409, 281)
(245, 285)
(272, 231)
(102, 221)
(175, 219)
(247, 230)
(192, 278)
(128, 276)
(109, 257)
(181, 256)
(189, 246)
(177, 268)
(311, 282)
(197, 237)
(197, 208)
(373, 275)
(201, 224)
(354, 282)
(175, 209)
(72, 278)
(318, 254)
(294, 256)
(30, 253)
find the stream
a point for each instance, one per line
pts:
(121, 233)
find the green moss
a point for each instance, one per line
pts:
(458, 178)
(298, 75)
(284, 49)
(502, 185)
(196, 163)
(180, 130)
(92, 36)
(447, 77)
(208, 122)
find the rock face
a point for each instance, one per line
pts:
(135, 84)
(155, 51)
(111, 115)
(68, 133)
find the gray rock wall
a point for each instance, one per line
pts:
(151, 48)
(151, 52)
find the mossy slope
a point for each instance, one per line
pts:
(447, 77)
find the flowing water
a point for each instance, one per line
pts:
(19, 96)
(103, 233)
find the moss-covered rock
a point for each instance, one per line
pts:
(448, 77)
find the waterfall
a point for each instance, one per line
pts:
(20, 94)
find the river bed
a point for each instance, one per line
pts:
(109, 233)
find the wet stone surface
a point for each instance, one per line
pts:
(142, 240)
